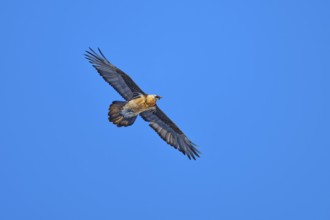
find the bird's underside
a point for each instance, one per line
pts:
(124, 113)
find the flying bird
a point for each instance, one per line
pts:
(124, 113)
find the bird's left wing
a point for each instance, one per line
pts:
(169, 132)
(119, 80)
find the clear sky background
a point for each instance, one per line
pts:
(248, 81)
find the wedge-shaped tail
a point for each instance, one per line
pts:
(116, 117)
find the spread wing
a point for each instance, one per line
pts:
(169, 132)
(119, 80)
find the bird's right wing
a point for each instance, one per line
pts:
(119, 80)
(169, 132)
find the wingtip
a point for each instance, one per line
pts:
(89, 52)
(192, 154)
(100, 51)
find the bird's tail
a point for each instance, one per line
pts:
(116, 117)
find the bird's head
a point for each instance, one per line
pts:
(152, 99)
(158, 97)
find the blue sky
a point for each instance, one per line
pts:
(248, 81)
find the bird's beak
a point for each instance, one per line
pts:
(159, 97)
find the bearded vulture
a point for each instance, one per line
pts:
(124, 113)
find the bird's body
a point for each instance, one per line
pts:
(141, 103)
(124, 113)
